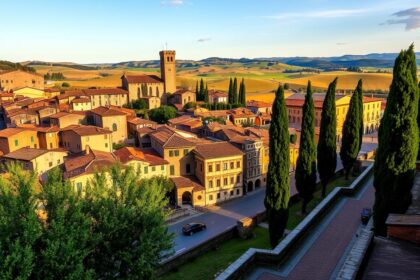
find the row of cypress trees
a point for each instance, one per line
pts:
(325, 154)
(233, 96)
(202, 91)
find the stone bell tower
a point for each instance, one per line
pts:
(168, 70)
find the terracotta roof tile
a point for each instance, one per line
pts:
(106, 112)
(217, 150)
(88, 163)
(142, 79)
(86, 130)
(258, 104)
(186, 182)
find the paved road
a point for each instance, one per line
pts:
(319, 256)
(223, 217)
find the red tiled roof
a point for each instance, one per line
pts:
(127, 154)
(105, 91)
(186, 182)
(143, 79)
(217, 150)
(371, 99)
(106, 112)
(7, 132)
(86, 130)
(168, 138)
(88, 163)
(141, 121)
(258, 104)
(26, 154)
(81, 100)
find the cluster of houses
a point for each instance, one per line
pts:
(88, 130)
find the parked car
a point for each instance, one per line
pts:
(191, 228)
(365, 215)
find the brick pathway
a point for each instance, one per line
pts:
(323, 256)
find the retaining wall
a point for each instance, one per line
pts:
(259, 256)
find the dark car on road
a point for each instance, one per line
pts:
(191, 228)
(365, 215)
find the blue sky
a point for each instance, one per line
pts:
(111, 31)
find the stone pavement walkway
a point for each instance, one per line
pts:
(320, 261)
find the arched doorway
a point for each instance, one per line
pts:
(186, 198)
(250, 186)
(257, 183)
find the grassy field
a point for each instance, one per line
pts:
(260, 79)
(206, 266)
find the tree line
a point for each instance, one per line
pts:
(110, 230)
(235, 98)
(55, 76)
(394, 166)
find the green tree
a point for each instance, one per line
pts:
(197, 90)
(206, 94)
(278, 182)
(327, 145)
(360, 95)
(242, 94)
(20, 228)
(130, 235)
(350, 143)
(230, 92)
(305, 175)
(65, 84)
(162, 114)
(398, 143)
(286, 86)
(201, 91)
(235, 91)
(66, 240)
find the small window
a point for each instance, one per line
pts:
(210, 184)
(188, 168)
(211, 197)
(171, 153)
(172, 170)
(16, 142)
(146, 169)
(153, 168)
(232, 180)
(199, 197)
(225, 166)
(232, 165)
(231, 193)
(32, 139)
(185, 152)
(218, 167)
(210, 168)
(50, 164)
(162, 168)
(218, 183)
(114, 127)
(238, 164)
(237, 191)
(106, 145)
(225, 181)
(218, 196)
(176, 153)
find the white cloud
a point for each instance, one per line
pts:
(319, 14)
(173, 2)
(409, 17)
(202, 40)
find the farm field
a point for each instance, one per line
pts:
(260, 80)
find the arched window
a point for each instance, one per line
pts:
(114, 127)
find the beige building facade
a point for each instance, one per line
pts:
(16, 79)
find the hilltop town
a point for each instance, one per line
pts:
(211, 155)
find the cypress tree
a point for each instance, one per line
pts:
(305, 175)
(196, 90)
(235, 91)
(201, 91)
(230, 94)
(206, 94)
(360, 95)
(278, 182)
(418, 124)
(243, 92)
(398, 143)
(327, 146)
(350, 143)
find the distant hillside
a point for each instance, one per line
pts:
(7, 65)
(378, 60)
(62, 64)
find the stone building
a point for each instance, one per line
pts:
(16, 79)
